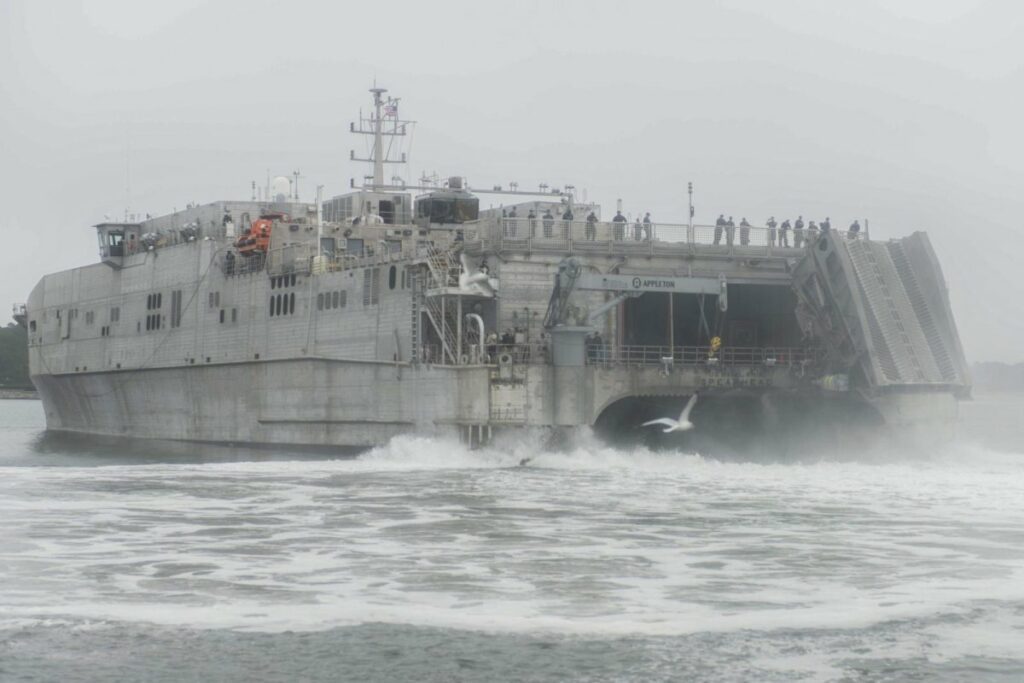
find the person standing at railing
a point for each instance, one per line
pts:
(549, 222)
(812, 232)
(798, 232)
(854, 230)
(771, 231)
(532, 218)
(784, 233)
(637, 230)
(619, 226)
(592, 226)
(513, 220)
(744, 231)
(730, 231)
(567, 223)
(647, 226)
(719, 227)
(492, 346)
(826, 226)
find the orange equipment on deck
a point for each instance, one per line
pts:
(256, 239)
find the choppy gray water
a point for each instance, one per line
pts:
(421, 561)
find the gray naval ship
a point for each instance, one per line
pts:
(399, 308)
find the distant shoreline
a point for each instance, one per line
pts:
(18, 394)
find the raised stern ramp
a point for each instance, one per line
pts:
(883, 306)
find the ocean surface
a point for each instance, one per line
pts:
(422, 561)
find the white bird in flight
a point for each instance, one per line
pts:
(683, 424)
(477, 283)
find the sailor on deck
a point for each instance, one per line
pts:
(549, 221)
(591, 226)
(784, 233)
(620, 225)
(719, 226)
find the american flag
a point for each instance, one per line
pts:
(390, 110)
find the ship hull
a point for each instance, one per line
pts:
(300, 402)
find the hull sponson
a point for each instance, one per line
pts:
(315, 402)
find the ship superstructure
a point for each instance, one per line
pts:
(396, 308)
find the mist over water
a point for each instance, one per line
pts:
(421, 560)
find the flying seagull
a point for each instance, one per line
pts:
(682, 424)
(477, 283)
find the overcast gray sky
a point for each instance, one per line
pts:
(908, 113)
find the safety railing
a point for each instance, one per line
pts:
(523, 353)
(232, 264)
(607, 354)
(531, 353)
(303, 258)
(557, 234)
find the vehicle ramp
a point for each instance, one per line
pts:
(882, 307)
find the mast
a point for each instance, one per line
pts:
(382, 122)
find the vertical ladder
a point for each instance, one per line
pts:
(417, 315)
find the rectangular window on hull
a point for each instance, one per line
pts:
(176, 308)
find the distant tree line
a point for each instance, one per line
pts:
(14, 357)
(999, 376)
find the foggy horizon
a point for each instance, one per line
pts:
(906, 117)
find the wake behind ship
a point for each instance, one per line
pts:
(396, 308)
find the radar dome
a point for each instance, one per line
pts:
(281, 189)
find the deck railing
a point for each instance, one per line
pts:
(607, 354)
(557, 234)
(538, 353)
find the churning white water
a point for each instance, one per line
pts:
(819, 569)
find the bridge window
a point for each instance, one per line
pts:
(392, 277)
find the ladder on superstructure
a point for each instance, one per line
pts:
(429, 295)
